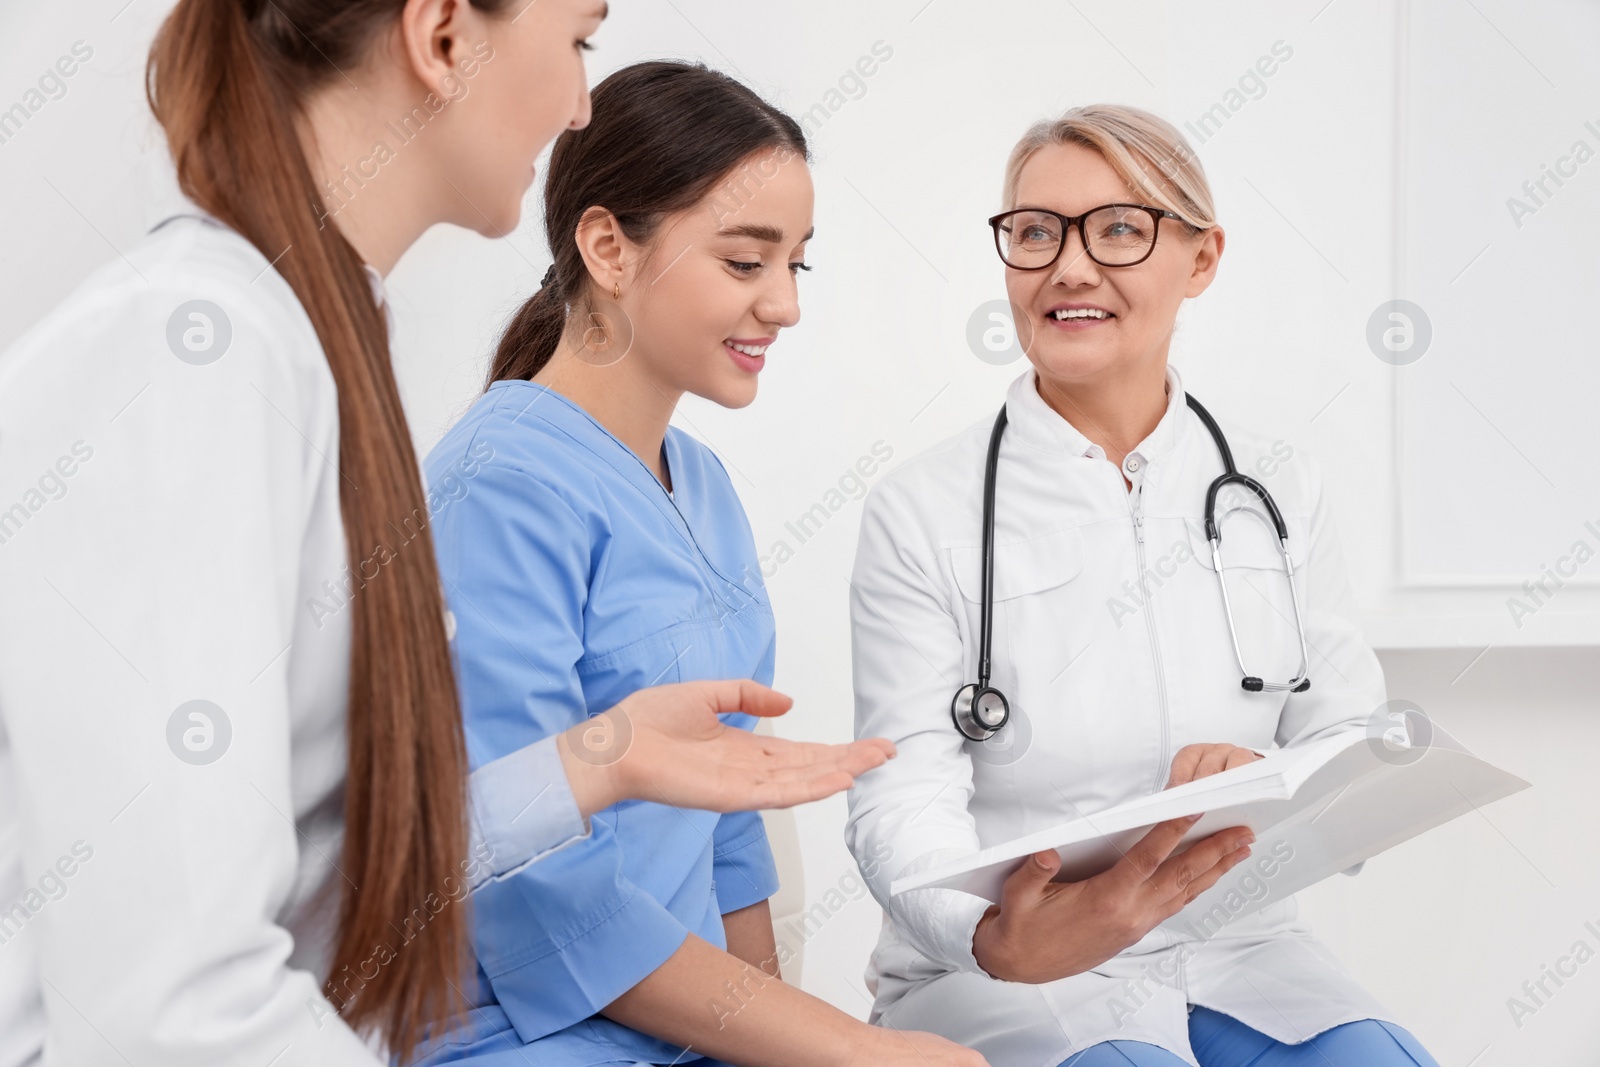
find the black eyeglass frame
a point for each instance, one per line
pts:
(1069, 221)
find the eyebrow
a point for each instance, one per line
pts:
(761, 232)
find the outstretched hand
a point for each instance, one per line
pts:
(666, 744)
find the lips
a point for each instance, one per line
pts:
(1082, 318)
(744, 360)
(1079, 312)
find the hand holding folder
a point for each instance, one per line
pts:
(1315, 810)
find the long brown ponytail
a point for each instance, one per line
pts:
(226, 79)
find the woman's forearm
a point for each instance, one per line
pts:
(751, 938)
(594, 784)
(723, 1007)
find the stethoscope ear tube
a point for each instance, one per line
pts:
(979, 710)
(1256, 685)
(1235, 478)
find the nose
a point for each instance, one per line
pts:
(780, 303)
(581, 117)
(1073, 267)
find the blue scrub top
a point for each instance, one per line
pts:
(574, 579)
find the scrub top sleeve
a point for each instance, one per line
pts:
(166, 574)
(514, 558)
(911, 813)
(1347, 686)
(742, 866)
(522, 808)
(564, 936)
(563, 933)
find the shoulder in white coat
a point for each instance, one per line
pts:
(171, 713)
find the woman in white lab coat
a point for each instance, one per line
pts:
(234, 822)
(1110, 641)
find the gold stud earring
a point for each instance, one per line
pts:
(616, 290)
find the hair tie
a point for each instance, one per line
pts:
(549, 276)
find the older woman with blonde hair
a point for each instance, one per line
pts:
(1060, 554)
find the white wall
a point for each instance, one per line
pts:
(1447, 927)
(1318, 172)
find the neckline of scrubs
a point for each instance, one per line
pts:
(633, 467)
(634, 470)
(666, 461)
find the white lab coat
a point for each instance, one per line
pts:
(1106, 682)
(171, 564)
(170, 530)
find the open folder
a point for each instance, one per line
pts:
(1315, 810)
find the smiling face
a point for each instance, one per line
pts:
(521, 82)
(720, 281)
(1139, 302)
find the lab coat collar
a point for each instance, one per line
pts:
(181, 206)
(379, 294)
(1035, 422)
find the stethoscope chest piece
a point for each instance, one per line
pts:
(979, 711)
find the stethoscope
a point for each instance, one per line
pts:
(980, 710)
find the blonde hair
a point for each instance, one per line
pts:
(1146, 151)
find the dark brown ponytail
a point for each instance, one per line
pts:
(661, 137)
(226, 79)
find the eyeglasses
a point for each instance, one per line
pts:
(1114, 235)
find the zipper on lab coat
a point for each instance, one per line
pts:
(1137, 509)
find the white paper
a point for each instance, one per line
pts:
(1315, 810)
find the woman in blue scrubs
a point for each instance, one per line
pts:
(596, 551)
(322, 837)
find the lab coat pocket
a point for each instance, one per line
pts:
(1034, 605)
(1020, 567)
(1258, 590)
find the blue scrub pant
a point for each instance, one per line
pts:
(1222, 1041)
